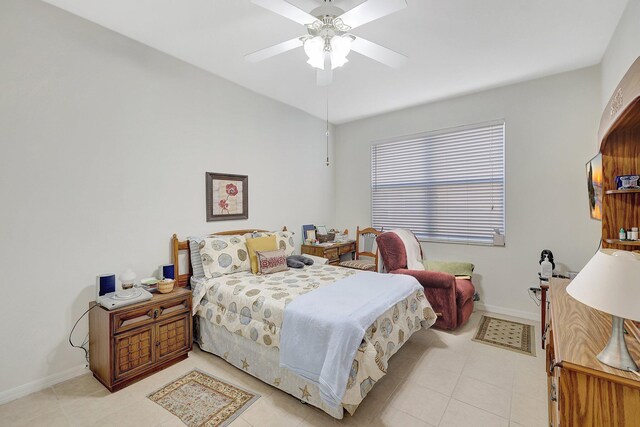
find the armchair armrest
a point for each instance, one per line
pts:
(430, 279)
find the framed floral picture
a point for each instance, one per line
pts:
(227, 196)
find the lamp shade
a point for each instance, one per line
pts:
(610, 282)
(314, 48)
(340, 48)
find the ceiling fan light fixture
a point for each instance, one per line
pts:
(337, 60)
(314, 48)
(340, 48)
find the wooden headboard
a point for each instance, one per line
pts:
(183, 245)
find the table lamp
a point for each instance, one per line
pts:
(610, 282)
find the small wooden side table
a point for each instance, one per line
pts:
(331, 252)
(132, 342)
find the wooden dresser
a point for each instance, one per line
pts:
(582, 391)
(130, 343)
(332, 252)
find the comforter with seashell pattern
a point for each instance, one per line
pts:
(252, 306)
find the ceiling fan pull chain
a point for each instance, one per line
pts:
(327, 131)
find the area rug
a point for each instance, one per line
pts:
(201, 400)
(514, 336)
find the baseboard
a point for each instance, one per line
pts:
(41, 384)
(507, 311)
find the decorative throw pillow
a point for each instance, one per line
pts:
(267, 243)
(284, 240)
(271, 261)
(224, 255)
(255, 234)
(196, 259)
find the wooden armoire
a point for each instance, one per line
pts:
(620, 146)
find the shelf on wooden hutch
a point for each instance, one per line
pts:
(636, 191)
(623, 242)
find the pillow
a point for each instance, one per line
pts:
(196, 259)
(284, 240)
(267, 243)
(255, 234)
(224, 255)
(458, 269)
(271, 261)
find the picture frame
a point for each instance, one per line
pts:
(227, 196)
(311, 235)
(594, 186)
(305, 230)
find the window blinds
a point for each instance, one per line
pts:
(445, 186)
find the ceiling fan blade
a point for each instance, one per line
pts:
(273, 50)
(378, 53)
(286, 9)
(324, 77)
(370, 11)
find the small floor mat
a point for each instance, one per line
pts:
(201, 400)
(507, 334)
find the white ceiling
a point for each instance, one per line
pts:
(454, 46)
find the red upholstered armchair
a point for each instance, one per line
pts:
(449, 296)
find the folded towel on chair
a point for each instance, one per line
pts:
(412, 248)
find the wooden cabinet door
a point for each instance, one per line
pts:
(172, 336)
(133, 351)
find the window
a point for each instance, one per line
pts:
(445, 186)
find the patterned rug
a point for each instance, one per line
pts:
(514, 336)
(199, 399)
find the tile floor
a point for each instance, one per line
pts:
(437, 379)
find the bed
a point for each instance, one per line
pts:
(239, 316)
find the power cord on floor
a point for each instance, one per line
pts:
(86, 340)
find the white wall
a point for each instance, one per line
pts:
(551, 127)
(623, 50)
(103, 147)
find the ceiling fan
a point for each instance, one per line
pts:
(328, 40)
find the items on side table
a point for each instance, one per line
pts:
(166, 285)
(110, 298)
(128, 279)
(129, 343)
(331, 251)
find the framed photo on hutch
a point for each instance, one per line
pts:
(227, 196)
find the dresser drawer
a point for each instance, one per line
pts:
(331, 253)
(346, 249)
(129, 319)
(313, 250)
(173, 307)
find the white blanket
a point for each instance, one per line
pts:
(412, 248)
(323, 329)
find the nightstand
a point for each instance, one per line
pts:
(331, 252)
(132, 342)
